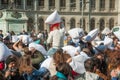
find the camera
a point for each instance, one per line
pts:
(12, 70)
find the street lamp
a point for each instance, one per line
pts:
(88, 14)
(82, 12)
(36, 16)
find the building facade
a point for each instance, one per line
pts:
(88, 14)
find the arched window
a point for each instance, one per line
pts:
(41, 3)
(92, 24)
(72, 3)
(111, 23)
(29, 2)
(102, 24)
(112, 4)
(41, 24)
(52, 3)
(62, 23)
(30, 24)
(84, 26)
(84, 4)
(4, 1)
(93, 4)
(72, 23)
(102, 4)
(62, 3)
(17, 2)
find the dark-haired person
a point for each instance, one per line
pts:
(12, 71)
(63, 72)
(89, 74)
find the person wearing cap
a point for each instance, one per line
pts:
(56, 35)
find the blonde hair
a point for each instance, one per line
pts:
(25, 64)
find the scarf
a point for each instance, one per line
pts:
(61, 75)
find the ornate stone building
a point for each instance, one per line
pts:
(88, 14)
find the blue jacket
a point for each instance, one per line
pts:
(114, 78)
(35, 75)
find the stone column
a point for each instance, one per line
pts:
(77, 5)
(24, 4)
(97, 5)
(0, 4)
(46, 5)
(36, 15)
(57, 4)
(107, 7)
(118, 11)
(68, 5)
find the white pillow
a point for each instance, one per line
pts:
(53, 18)
(4, 52)
(91, 35)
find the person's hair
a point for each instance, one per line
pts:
(60, 56)
(25, 64)
(97, 63)
(63, 68)
(12, 33)
(12, 58)
(20, 43)
(1, 31)
(26, 51)
(66, 56)
(89, 65)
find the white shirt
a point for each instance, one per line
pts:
(56, 37)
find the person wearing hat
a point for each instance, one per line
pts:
(56, 35)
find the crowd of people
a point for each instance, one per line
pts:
(59, 55)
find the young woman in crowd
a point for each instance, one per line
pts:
(27, 70)
(90, 74)
(19, 46)
(64, 72)
(52, 62)
(12, 70)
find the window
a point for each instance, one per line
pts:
(92, 24)
(62, 23)
(41, 2)
(102, 4)
(93, 4)
(84, 4)
(84, 26)
(111, 23)
(18, 2)
(102, 24)
(73, 3)
(51, 3)
(4, 1)
(112, 4)
(62, 3)
(72, 23)
(30, 25)
(29, 2)
(41, 24)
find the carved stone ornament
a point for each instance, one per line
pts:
(16, 15)
(1, 14)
